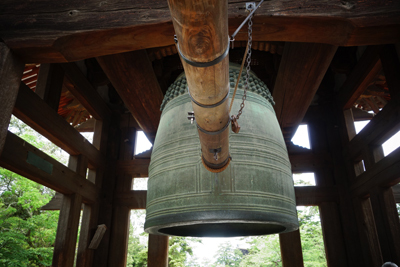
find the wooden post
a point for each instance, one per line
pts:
(335, 248)
(362, 209)
(291, 252)
(157, 255)
(68, 222)
(90, 212)
(11, 69)
(49, 84)
(121, 214)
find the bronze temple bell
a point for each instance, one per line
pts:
(253, 196)
(205, 180)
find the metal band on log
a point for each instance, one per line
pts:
(201, 29)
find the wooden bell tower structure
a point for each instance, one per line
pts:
(326, 64)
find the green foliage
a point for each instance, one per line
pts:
(311, 237)
(180, 248)
(228, 256)
(264, 251)
(27, 234)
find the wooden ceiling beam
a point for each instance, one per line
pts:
(34, 111)
(47, 31)
(363, 74)
(85, 92)
(300, 73)
(134, 167)
(384, 173)
(315, 195)
(28, 161)
(376, 132)
(134, 199)
(133, 77)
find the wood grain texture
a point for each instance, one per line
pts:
(133, 77)
(363, 74)
(300, 73)
(291, 252)
(11, 69)
(384, 173)
(387, 223)
(157, 255)
(377, 131)
(68, 222)
(85, 92)
(48, 31)
(90, 212)
(41, 117)
(67, 230)
(49, 84)
(135, 199)
(202, 31)
(119, 237)
(62, 179)
(315, 195)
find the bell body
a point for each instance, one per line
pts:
(253, 196)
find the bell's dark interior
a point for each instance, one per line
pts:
(82, 66)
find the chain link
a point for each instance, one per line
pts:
(248, 61)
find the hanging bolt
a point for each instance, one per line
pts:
(191, 116)
(250, 6)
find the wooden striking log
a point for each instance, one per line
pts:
(85, 92)
(49, 84)
(133, 77)
(363, 74)
(48, 31)
(306, 65)
(26, 160)
(36, 113)
(11, 69)
(202, 32)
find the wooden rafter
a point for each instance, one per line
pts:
(32, 110)
(85, 92)
(133, 77)
(28, 161)
(48, 31)
(384, 173)
(11, 69)
(363, 74)
(300, 73)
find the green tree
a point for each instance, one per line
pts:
(27, 234)
(180, 248)
(228, 255)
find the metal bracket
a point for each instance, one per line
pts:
(191, 116)
(215, 151)
(250, 6)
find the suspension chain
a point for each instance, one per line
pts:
(248, 61)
